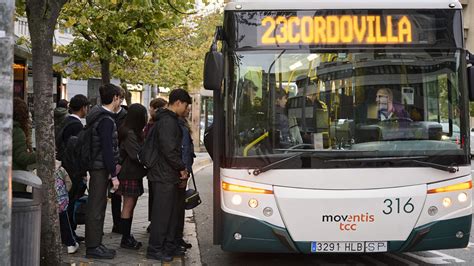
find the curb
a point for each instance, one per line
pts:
(193, 256)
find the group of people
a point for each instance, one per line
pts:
(118, 135)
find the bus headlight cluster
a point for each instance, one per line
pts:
(447, 202)
(253, 203)
(236, 199)
(462, 197)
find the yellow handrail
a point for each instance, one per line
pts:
(253, 143)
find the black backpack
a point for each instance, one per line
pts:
(148, 154)
(78, 156)
(60, 143)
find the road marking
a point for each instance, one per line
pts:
(374, 261)
(401, 259)
(470, 245)
(441, 259)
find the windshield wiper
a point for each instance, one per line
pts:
(260, 170)
(411, 159)
(270, 166)
(446, 168)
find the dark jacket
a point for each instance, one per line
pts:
(75, 126)
(148, 127)
(398, 112)
(120, 117)
(131, 167)
(104, 140)
(187, 146)
(60, 114)
(168, 143)
(21, 156)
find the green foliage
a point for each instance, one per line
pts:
(20, 8)
(182, 65)
(117, 31)
(144, 43)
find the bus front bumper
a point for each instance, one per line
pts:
(259, 236)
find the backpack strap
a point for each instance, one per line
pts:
(194, 181)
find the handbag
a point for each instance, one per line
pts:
(191, 196)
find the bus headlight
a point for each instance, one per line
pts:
(236, 199)
(253, 203)
(462, 197)
(447, 202)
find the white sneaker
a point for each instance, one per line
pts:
(73, 249)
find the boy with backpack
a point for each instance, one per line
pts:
(103, 166)
(79, 107)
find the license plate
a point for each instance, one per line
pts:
(345, 247)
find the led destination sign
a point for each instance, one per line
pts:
(344, 29)
(341, 29)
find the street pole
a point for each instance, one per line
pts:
(154, 89)
(6, 124)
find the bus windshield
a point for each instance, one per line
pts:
(368, 103)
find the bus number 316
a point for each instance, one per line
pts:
(395, 205)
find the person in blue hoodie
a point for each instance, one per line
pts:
(188, 160)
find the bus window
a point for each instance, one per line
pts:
(343, 100)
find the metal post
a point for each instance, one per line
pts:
(6, 123)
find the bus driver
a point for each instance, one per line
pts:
(386, 108)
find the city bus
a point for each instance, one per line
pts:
(340, 126)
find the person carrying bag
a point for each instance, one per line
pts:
(191, 196)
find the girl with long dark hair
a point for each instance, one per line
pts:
(131, 138)
(23, 154)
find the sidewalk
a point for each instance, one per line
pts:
(140, 223)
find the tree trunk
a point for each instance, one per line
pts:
(6, 122)
(42, 18)
(105, 70)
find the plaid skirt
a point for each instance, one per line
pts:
(130, 187)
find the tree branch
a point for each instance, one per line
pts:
(179, 11)
(137, 26)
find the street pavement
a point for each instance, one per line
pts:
(140, 223)
(213, 255)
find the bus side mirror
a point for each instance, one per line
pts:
(213, 70)
(470, 82)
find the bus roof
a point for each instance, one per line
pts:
(237, 5)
